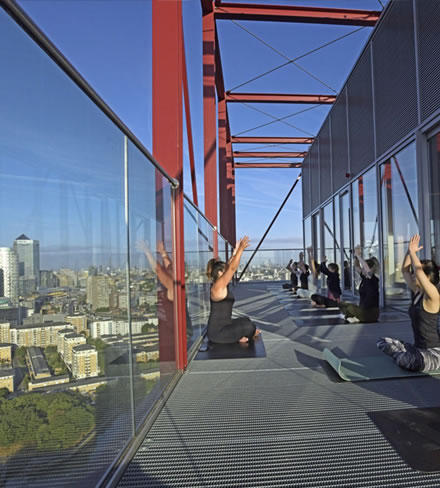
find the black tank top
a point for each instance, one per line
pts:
(424, 325)
(221, 313)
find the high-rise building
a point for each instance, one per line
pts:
(79, 322)
(28, 252)
(40, 335)
(84, 361)
(48, 279)
(2, 286)
(70, 341)
(101, 292)
(9, 266)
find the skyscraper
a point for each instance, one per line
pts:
(28, 252)
(9, 266)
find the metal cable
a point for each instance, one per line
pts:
(290, 60)
(279, 119)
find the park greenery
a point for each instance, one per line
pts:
(44, 421)
(20, 354)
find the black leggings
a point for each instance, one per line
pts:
(362, 314)
(322, 300)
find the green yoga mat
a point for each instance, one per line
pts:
(369, 367)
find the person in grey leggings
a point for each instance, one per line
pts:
(424, 354)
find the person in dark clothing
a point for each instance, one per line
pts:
(347, 276)
(334, 291)
(222, 328)
(368, 308)
(293, 268)
(424, 354)
(305, 273)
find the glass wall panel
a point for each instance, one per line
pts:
(329, 238)
(400, 218)
(196, 281)
(346, 240)
(337, 235)
(434, 146)
(63, 256)
(151, 281)
(307, 232)
(268, 264)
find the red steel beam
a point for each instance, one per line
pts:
(271, 140)
(242, 154)
(286, 13)
(167, 149)
(209, 120)
(268, 165)
(188, 125)
(278, 98)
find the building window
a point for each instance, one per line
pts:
(434, 146)
(398, 182)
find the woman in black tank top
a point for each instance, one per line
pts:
(222, 328)
(424, 354)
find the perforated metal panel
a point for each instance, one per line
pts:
(395, 76)
(314, 175)
(360, 115)
(305, 171)
(325, 170)
(428, 33)
(338, 117)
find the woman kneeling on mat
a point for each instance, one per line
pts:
(368, 308)
(424, 354)
(222, 328)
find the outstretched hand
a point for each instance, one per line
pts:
(244, 243)
(414, 244)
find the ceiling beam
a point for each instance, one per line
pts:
(268, 165)
(260, 154)
(286, 13)
(272, 140)
(278, 98)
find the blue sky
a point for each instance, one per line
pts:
(109, 43)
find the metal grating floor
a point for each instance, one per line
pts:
(281, 421)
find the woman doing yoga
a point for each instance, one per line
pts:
(222, 328)
(424, 354)
(368, 308)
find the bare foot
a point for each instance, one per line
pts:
(257, 333)
(244, 339)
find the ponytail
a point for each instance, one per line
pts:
(214, 267)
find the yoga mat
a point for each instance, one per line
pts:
(368, 367)
(414, 433)
(209, 350)
(316, 321)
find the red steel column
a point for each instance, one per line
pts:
(167, 149)
(224, 197)
(209, 118)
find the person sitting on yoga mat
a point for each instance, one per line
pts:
(424, 354)
(293, 268)
(334, 291)
(368, 308)
(222, 328)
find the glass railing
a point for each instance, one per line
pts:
(87, 332)
(267, 264)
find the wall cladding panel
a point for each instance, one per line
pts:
(428, 34)
(305, 181)
(360, 115)
(325, 170)
(314, 175)
(395, 76)
(338, 117)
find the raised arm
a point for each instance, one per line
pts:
(164, 274)
(166, 259)
(323, 266)
(365, 269)
(312, 263)
(430, 290)
(406, 272)
(219, 288)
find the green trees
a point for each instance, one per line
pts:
(20, 354)
(46, 421)
(4, 392)
(54, 360)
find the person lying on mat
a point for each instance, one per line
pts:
(334, 291)
(222, 328)
(422, 278)
(368, 308)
